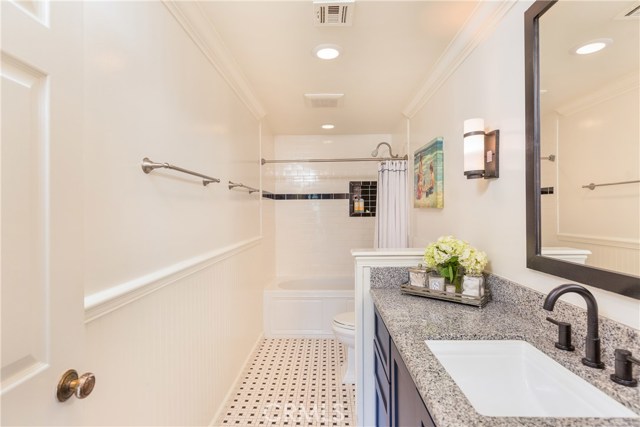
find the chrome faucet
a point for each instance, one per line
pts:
(592, 344)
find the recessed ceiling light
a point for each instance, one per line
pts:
(593, 46)
(327, 51)
(327, 126)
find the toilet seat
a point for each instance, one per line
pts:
(345, 320)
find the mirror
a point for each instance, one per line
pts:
(583, 142)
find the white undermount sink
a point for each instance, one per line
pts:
(515, 379)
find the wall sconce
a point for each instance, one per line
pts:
(480, 150)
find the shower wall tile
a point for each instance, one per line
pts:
(367, 191)
(315, 237)
(323, 177)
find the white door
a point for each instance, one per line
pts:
(41, 210)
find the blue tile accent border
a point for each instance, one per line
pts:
(307, 196)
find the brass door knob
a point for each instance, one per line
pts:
(70, 385)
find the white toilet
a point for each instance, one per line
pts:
(344, 328)
(577, 256)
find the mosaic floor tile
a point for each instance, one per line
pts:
(292, 382)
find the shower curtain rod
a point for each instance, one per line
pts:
(357, 159)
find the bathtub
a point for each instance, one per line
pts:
(297, 307)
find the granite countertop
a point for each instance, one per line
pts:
(411, 320)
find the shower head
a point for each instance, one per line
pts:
(374, 153)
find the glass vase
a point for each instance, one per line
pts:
(457, 281)
(451, 286)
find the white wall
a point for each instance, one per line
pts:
(549, 178)
(315, 237)
(168, 357)
(597, 142)
(401, 138)
(490, 214)
(149, 92)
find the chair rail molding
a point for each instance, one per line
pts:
(100, 303)
(486, 16)
(200, 29)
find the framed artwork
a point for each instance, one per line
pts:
(428, 175)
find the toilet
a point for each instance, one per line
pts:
(344, 329)
(577, 256)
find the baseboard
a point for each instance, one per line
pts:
(235, 381)
(301, 334)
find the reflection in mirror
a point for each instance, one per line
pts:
(588, 135)
(590, 121)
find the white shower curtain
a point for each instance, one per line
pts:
(392, 205)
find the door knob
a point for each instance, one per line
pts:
(70, 384)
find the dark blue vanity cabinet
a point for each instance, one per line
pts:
(407, 407)
(398, 402)
(382, 356)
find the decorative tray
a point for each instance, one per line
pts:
(446, 296)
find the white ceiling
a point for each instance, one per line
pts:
(386, 56)
(565, 76)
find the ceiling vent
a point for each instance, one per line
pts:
(323, 100)
(332, 13)
(630, 13)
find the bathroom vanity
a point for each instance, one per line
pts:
(413, 388)
(398, 402)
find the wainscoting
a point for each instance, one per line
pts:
(172, 356)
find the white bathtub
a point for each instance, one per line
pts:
(304, 307)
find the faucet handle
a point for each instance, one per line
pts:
(624, 368)
(564, 335)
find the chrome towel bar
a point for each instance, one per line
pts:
(148, 166)
(233, 185)
(592, 186)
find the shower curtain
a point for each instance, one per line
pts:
(392, 205)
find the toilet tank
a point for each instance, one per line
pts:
(578, 256)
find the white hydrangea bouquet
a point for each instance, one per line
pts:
(452, 258)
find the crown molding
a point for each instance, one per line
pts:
(605, 93)
(480, 24)
(200, 29)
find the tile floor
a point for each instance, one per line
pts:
(292, 382)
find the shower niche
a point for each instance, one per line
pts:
(362, 198)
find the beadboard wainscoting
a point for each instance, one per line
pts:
(172, 356)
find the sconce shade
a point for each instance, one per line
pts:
(474, 148)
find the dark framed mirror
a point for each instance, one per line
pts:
(565, 90)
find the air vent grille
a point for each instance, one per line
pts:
(333, 13)
(323, 100)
